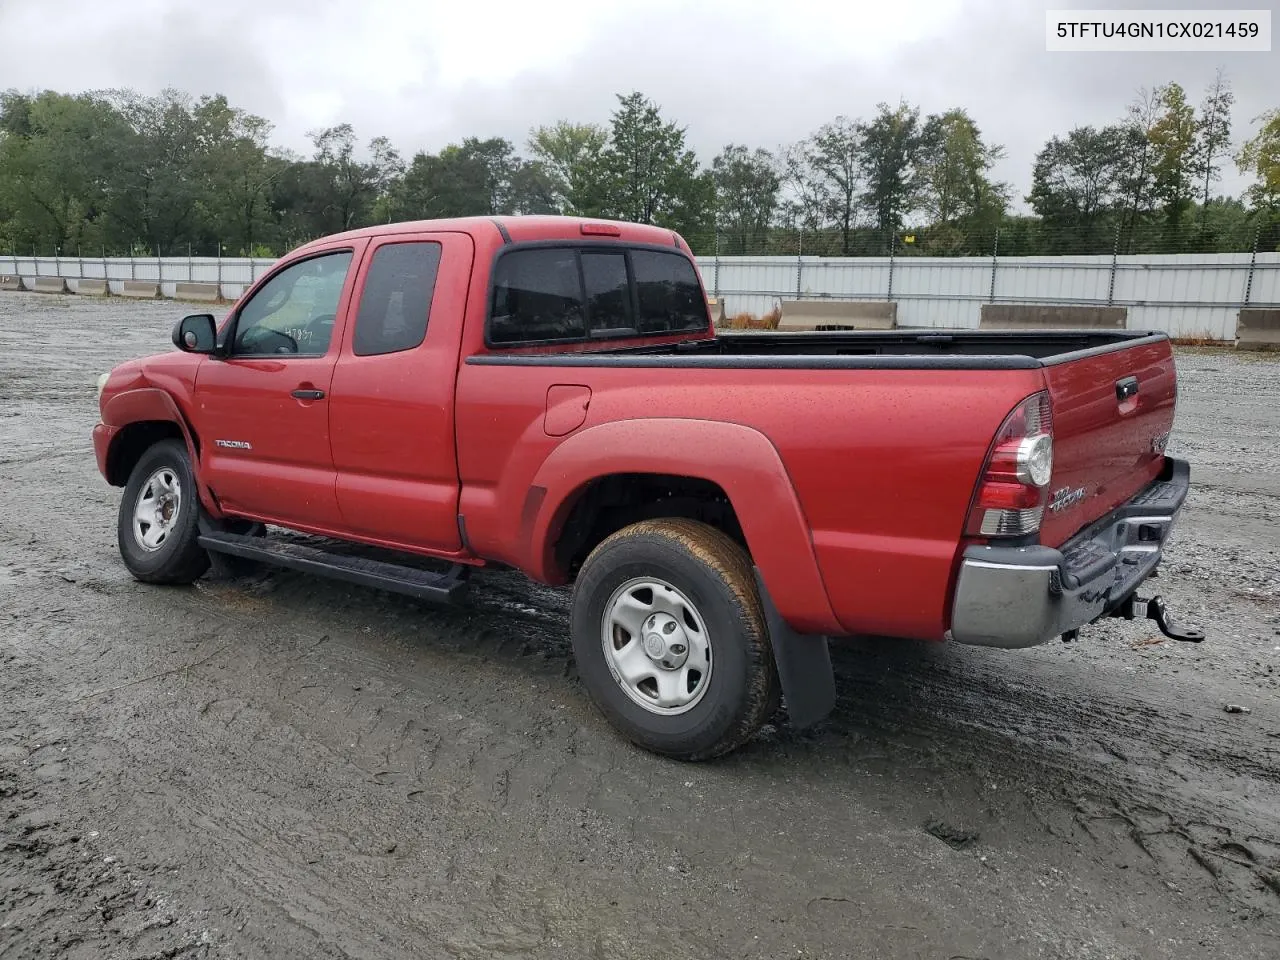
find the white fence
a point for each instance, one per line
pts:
(233, 275)
(1187, 295)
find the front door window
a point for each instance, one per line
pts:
(294, 312)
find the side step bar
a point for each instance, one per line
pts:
(442, 588)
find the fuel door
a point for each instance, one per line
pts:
(566, 408)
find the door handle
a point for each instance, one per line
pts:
(311, 394)
(1126, 388)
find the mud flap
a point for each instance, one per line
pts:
(804, 666)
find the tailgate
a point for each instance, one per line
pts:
(1112, 413)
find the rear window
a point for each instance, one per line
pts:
(537, 296)
(561, 294)
(670, 297)
(608, 294)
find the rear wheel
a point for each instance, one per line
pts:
(157, 526)
(670, 638)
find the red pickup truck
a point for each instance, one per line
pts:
(548, 394)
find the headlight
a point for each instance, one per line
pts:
(102, 382)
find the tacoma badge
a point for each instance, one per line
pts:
(1065, 497)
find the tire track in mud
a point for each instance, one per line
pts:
(62, 893)
(1150, 776)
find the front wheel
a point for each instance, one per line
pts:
(670, 638)
(157, 526)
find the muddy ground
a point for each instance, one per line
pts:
(286, 767)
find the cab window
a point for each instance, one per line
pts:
(396, 302)
(574, 293)
(537, 296)
(294, 312)
(667, 289)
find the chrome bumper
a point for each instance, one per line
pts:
(1022, 596)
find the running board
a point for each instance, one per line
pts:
(442, 588)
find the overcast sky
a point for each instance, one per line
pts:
(426, 73)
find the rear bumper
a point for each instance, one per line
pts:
(1023, 596)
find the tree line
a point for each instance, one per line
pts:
(118, 172)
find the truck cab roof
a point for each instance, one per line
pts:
(520, 229)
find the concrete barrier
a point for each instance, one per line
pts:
(1041, 316)
(10, 283)
(838, 315)
(140, 288)
(88, 287)
(47, 285)
(716, 306)
(205, 292)
(1258, 328)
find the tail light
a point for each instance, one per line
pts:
(1014, 485)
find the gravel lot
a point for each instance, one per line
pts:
(281, 766)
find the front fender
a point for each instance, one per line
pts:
(150, 404)
(741, 460)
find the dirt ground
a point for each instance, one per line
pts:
(280, 766)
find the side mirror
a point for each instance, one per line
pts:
(197, 333)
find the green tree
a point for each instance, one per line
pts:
(572, 159)
(162, 177)
(238, 172)
(1174, 138)
(448, 184)
(1212, 137)
(533, 190)
(474, 178)
(1135, 159)
(1075, 186)
(1260, 156)
(388, 169)
(956, 188)
(58, 192)
(836, 155)
(345, 186)
(806, 200)
(746, 185)
(890, 143)
(653, 176)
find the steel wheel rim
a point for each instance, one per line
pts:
(157, 509)
(656, 646)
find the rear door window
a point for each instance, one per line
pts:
(396, 302)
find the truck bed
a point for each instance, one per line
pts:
(904, 349)
(883, 435)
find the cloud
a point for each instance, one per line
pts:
(754, 72)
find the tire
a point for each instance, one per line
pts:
(163, 550)
(702, 581)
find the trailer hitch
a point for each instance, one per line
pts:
(1154, 609)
